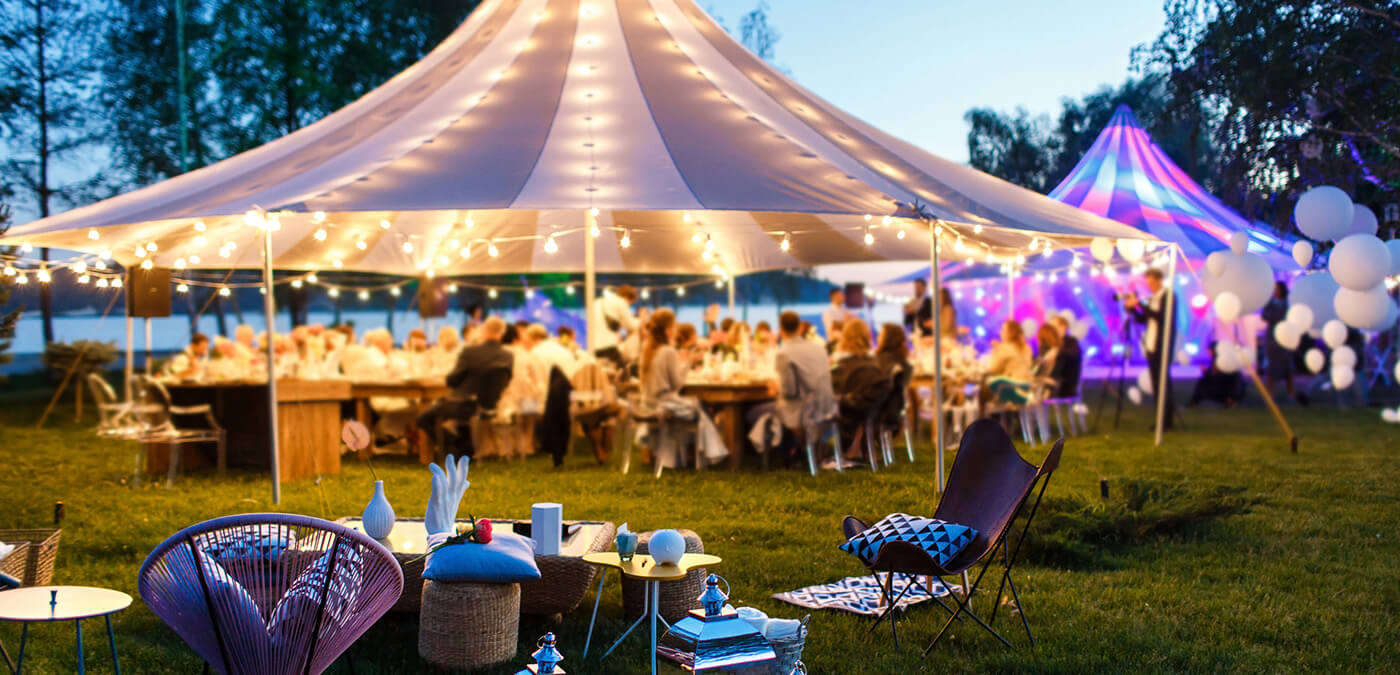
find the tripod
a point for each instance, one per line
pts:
(1125, 337)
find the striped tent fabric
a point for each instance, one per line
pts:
(488, 155)
(1126, 176)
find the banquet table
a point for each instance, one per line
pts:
(427, 389)
(728, 400)
(308, 421)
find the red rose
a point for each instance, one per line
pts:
(482, 533)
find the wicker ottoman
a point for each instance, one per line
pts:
(564, 580)
(677, 597)
(463, 626)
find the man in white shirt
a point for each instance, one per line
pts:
(1156, 347)
(835, 314)
(551, 353)
(188, 364)
(613, 314)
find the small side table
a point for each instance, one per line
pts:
(62, 603)
(643, 568)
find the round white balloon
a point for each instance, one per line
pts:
(1363, 220)
(1365, 310)
(1303, 253)
(1079, 329)
(1394, 247)
(1132, 250)
(1248, 276)
(1334, 333)
(1342, 377)
(1397, 373)
(1068, 315)
(1316, 290)
(1359, 262)
(1247, 357)
(1227, 306)
(1101, 248)
(1287, 335)
(1300, 317)
(1227, 357)
(1184, 358)
(1323, 213)
(1239, 242)
(1144, 380)
(1315, 360)
(1029, 326)
(1344, 357)
(1216, 261)
(1135, 395)
(1390, 415)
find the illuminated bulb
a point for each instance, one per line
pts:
(10, 271)
(311, 278)
(470, 223)
(570, 289)
(785, 244)
(364, 295)
(680, 291)
(466, 251)
(1076, 262)
(977, 229)
(1020, 259)
(199, 226)
(320, 234)
(140, 252)
(550, 246)
(80, 267)
(1035, 244)
(337, 263)
(431, 273)
(296, 283)
(83, 279)
(408, 247)
(230, 245)
(147, 264)
(454, 244)
(106, 254)
(224, 253)
(869, 238)
(646, 294)
(100, 265)
(709, 243)
(885, 221)
(491, 250)
(93, 235)
(43, 276)
(491, 294)
(179, 263)
(384, 224)
(695, 238)
(334, 292)
(361, 245)
(938, 231)
(102, 283)
(151, 246)
(867, 217)
(594, 231)
(529, 293)
(706, 255)
(626, 241)
(719, 284)
(900, 235)
(200, 241)
(451, 288)
(396, 292)
(1073, 274)
(685, 217)
(194, 260)
(593, 212)
(319, 216)
(25, 248)
(182, 288)
(224, 291)
(274, 223)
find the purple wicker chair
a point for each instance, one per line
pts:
(269, 592)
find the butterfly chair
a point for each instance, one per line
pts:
(988, 488)
(269, 593)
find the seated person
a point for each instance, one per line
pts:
(1047, 343)
(1008, 367)
(1216, 385)
(567, 339)
(1069, 361)
(663, 374)
(688, 342)
(858, 381)
(189, 363)
(551, 353)
(802, 388)
(443, 355)
(892, 353)
(512, 433)
(480, 376)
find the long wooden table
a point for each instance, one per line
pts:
(308, 422)
(728, 401)
(428, 389)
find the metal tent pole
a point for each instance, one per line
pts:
(731, 298)
(149, 349)
(590, 281)
(130, 351)
(1165, 360)
(1011, 292)
(270, 313)
(937, 354)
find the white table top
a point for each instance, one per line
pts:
(74, 602)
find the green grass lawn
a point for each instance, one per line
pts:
(1304, 577)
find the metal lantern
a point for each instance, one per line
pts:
(714, 638)
(547, 658)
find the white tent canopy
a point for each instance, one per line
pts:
(534, 112)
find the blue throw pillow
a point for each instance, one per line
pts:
(507, 559)
(943, 540)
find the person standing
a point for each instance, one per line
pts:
(918, 312)
(614, 318)
(835, 314)
(1279, 359)
(1155, 343)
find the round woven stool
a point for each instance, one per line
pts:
(677, 597)
(464, 625)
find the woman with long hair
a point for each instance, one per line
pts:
(1047, 343)
(1009, 366)
(663, 372)
(661, 369)
(892, 347)
(860, 384)
(947, 315)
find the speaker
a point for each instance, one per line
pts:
(855, 295)
(432, 300)
(148, 292)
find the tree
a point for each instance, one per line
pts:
(46, 58)
(1301, 92)
(8, 320)
(1018, 148)
(760, 36)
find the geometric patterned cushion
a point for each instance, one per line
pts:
(942, 540)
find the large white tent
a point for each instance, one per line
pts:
(538, 121)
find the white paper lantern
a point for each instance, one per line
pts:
(1227, 357)
(1132, 250)
(1342, 377)
(1216, 261)
(1394, 247)
(1067, 315)
(1359, 262)
(1334, 333)
(1300, 317)
(1101, 248)
(1365, 310)
(1363, 220)
(1287, 335)
(1302, 253)
(1029, 326)
(1144, 380)
(1227, 306)
(1315, 360)
(1248, 276)
(1397, 373)
(1344, 357)
(1135, 395)
(1079, 329)
(1316, 290)
(1239, 242)
(1323, 213)
(1390, 415)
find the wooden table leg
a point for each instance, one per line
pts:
(362, 415)
(732, 431)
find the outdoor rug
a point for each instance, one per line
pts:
(861, 595)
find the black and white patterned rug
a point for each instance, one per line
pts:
(861, 595)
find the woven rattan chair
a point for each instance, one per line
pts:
(269, 593)
(988, 488)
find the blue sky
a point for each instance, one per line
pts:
(913, 67)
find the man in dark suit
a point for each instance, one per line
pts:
(480, 376)
(918, 312)
(1153, 314)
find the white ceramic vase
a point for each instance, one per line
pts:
(378, 517)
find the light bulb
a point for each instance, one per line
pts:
(867, 217)
(1035, 244)
(695, 238)
(224, 291)
(451, 288)
(430, 273)
(337, 263)
(100, 265)
(93, 235)
(296, 283)
(470, 223)
(685, 217)
(106, 254)
(443, 260)
(786, 244)
(151, 246)
(466, 251)
(709, 243)
(593, 212)
(885, 221)
(719, 284)
(80, 267)
(182, 288)
(230, 245)
(626, 241)
(194, 260)
(395, 291)
(319, 216)
(102, 283)
(117, 283)
(10, 271)
(320, 234)
(869, 238)
(569, 289)
(147, 264)
(492, 294)
(180, 263)
(900, 235)
(311, 278)
(550, 246)
(83, 279)
(334, 292)
(43, 276)
(408, 247)
(361, 244)
(140, 252)
(364, 295)
(646, 294)
(529, 293)
(680, 291)
(977, 229)
(595, 231)
(199, 226)
(25, 248)
(200, 241)
(491, 250)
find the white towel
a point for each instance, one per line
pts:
(5, 549)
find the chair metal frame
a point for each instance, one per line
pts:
(911, 561)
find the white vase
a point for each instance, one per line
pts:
(378, 517)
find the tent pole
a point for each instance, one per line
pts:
(130, 351)
(937, 355)
(590, 280)
(148, 345)
(731, 298)
(270, 313)
(1165, 360)
(1010, 292)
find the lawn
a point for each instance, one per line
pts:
(1219, 551)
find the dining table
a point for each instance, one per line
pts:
(423, 390)
(727, 399)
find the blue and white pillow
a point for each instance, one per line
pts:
(943, 540)
(507, 559)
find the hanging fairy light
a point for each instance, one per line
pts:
(101, 283)
(886, 221)
(84, 279)
(22, 279)
(99, 265)
(311, 278)
(408, 247)
(719, 283)
(594, 231)
(569, 289)
(491, 249)
(466, 250)
(869, 237)
(320, 234)
(900, 234)
(182, 288)
(550, 246)
(43, 275)
(786, 244)
(106, 254)
(680, 291)
(451, 288)
(224, 291)
(319, 216)
(10, 271)
(335, 262)
(363, 295)
(977, 229)
(396, 292)
(140, 252)
(362, 244)
(492, 293)
(709, 243)
(179, 263)
(296, 283)
(199, 226)
(80, 267)
(200, 241)
(695, 237)
(685, 217)
(626, 241)
(334, 292)
(385, 224)
(93, 235)
(646, 294)
(430, 273)
(151, 246)
(147, 264)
